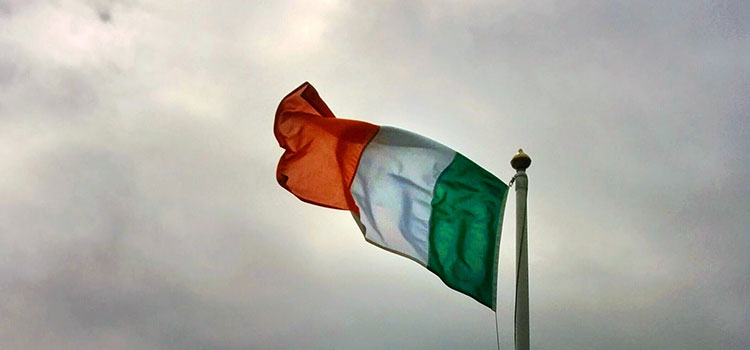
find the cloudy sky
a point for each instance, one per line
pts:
(139, 207)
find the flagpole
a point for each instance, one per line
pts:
(521, 162)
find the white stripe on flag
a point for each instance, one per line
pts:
(393, 189)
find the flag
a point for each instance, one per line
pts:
(409, 195)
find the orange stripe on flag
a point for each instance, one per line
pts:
(321, 152)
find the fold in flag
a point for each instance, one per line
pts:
(409, 195)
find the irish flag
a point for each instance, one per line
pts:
(409, 195)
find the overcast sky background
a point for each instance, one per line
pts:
(139, 207)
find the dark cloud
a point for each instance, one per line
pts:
(104, 15)
(104, 8)
(138, 206)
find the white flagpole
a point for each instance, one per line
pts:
(521, 162)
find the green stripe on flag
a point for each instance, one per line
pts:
(467, 207)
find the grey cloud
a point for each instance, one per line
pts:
(139, 207)
(8, 72)
(104, 8)
(10, 7)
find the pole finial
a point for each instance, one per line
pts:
(520, 161)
